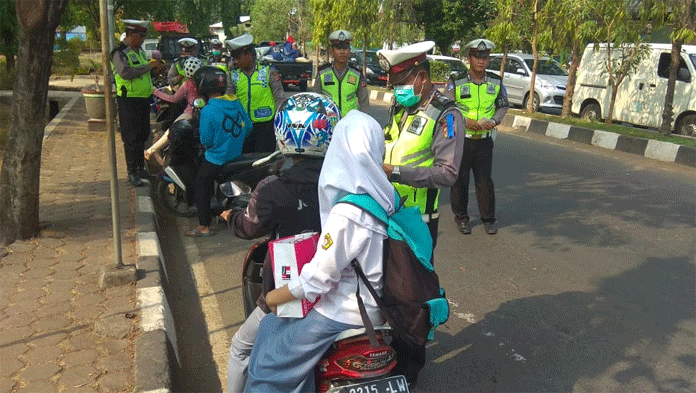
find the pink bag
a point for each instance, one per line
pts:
(288, 256)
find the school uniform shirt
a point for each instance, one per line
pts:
(349, 233)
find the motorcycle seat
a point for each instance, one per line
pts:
(356, 332)
(243, 161)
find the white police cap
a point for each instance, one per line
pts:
(187, 42)
(340, 36)
(480, 45)
(240, 42)
(395, 61)
(137, 25)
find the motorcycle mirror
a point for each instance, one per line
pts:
(199, 103)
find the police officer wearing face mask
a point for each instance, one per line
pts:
(217, 58)
(341, 81)
(424, 140)
(483, 101)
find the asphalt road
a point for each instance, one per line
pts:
(588, 286)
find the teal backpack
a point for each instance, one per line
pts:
(412, 301)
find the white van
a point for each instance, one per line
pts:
(641, 96)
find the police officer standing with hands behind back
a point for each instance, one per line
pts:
(260, 91)
(133, 89)
(343, 83)
(424, 143)
(483, 101)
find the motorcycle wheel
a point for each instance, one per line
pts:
(174, 199)
(251, 275)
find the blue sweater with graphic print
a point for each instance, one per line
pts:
(224, 125)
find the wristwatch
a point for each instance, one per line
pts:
(395, 175)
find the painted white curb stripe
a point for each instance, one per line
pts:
(605, 139)
(54, 123)
(148, 245)
(145, 204)
(557, 130)
(662, 151)
(373, 94)
(521, 122)
(388, 97)
(158, 391)
(156, 314)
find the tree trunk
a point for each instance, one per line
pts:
(503, 63)
(535, 52)
(19, 177)
(572, 77)
(668, 113)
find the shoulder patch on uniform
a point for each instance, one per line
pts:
(352, 79)
(441, 101)
(323, 66)
(447, 124)
(327, 242)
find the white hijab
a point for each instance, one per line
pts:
(353, 164)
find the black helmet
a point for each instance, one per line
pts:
(210, 79)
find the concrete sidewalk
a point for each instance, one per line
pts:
(59, 331)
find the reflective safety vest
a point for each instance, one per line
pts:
(255, 93)
(476, 101)
(410, 146)
(344, 92)
(136, 87)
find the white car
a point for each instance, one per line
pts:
(149, 45)
(456, 65)
(549, 87)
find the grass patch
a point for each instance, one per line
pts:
(619, 129)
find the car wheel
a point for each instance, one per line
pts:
(535, 104)
(591, 112)
(687, 126)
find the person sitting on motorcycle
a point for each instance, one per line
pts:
(288, 349)
(188, 92)
(223, 126)
(282, 205)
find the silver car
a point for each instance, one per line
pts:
(550, 85)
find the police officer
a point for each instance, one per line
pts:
(424, 141)
(176, 73)
(483, 101)
(217, 58)
(259, 89)
(133, 89)
(341, 81)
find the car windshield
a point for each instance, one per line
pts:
(546, 67)
(693, 60)
(372, 58)
(455, 65)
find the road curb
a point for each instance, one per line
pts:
(648, 148)
(156, 344)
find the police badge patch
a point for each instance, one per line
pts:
(490, 88)
(417, 125)
(352, 79)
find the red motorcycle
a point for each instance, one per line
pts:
(352, 364)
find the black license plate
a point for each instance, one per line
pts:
(396, 384)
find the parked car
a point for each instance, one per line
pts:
(640, 99)
(374, 74)
(170, 49)
(296, 72)
(549, 87)
(456, 65)
(149, 45)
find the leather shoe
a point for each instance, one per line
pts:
(135, 180)
(491, 228)
(464, 227)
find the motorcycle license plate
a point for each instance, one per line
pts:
(396, 384)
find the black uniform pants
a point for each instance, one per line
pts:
(205, 184)
(261, 139)
(477, 158)
(134, 118)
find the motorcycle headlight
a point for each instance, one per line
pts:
(234, 188)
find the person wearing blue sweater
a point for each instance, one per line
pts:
(223, 126)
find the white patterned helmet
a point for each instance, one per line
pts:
(191, 65)
(305, 123)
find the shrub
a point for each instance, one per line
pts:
(439, 71)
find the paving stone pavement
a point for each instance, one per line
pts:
(56, 324)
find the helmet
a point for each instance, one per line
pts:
(304, 124)
(191, 65)
(210, 79)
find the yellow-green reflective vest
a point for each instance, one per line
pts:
(344, 92)
(136, 87)
(255, 94)
(410, 146)
(476, 101)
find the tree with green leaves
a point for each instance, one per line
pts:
(20, 174)
(324, 23)
(358, 17)
(504, 29)
(8, 34)
(681, 15)
(393, 25)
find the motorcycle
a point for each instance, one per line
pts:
(352, 364)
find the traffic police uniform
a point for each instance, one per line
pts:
(221, 61)
(347, 87)
(260, 92)
(479, 101)
(133, 89)
(424, 143)
(176, 73)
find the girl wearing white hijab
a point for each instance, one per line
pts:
(287, 349)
